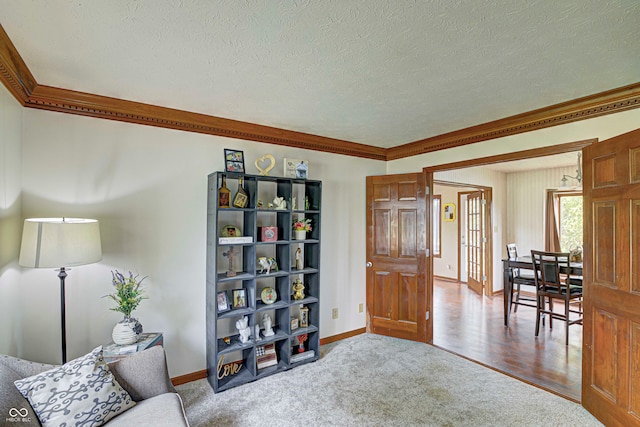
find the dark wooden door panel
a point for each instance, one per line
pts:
(396, 256)
(611, 344)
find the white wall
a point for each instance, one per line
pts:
(526, 195)
(10, 223)
(148, 188)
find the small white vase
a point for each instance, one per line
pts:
(125, 331)
(299, 234)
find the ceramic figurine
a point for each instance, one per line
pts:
(298, 289)
(243, 329)
(266, 322)
(257, 334)
(299, 265)
(279, 203)
(268, 264)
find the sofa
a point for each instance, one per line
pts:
(143, 375)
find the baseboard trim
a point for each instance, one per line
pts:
(342, 336)
(200, 375)
(446, 279)
(187, 378)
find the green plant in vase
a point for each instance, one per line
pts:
(128, 295)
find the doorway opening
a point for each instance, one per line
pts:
(472, 326)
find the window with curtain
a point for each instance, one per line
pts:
(563, 222)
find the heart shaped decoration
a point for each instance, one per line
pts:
(263, 159)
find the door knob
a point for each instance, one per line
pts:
(369, 265)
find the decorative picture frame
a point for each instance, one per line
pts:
(222, 300)
(239, 298)
(233, 160)
(296, 168)
(449, 212)
(304, 317)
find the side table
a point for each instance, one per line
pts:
(113, 352)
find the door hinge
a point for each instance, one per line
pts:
(427, 315)
(426, 253)
(484, 278)
(484, 240)
(426, 190)
(483, 201)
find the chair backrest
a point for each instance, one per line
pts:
(548, 267)
(512, 251)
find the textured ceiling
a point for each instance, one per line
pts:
(378, 72)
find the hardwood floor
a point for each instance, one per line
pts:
(473, 326)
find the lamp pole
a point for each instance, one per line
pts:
(62, 275)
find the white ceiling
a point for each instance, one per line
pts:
(378, 72)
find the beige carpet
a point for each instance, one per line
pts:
(370, 380)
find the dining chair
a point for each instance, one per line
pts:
(555, 282)
(519, 277)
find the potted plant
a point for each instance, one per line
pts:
(300, 228)
(127, 296)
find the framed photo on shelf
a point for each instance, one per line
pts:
(233, 160)
(304, 317)
(239, 298)
(223, 302)
(296, 168)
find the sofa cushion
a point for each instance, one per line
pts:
(164, 410)
(80, 392)
(14, 408)
(143, 374)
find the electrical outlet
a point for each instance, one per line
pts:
(334, 313)
(360, 308)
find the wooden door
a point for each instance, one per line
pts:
(475, 242)
(611, 345)
(397, 239)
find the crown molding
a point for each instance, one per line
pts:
(600, 104)
(103, 107)
(17, 78)
(14, 73)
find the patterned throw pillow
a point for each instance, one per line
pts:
(81, 392)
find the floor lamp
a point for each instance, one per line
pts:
(60, 243)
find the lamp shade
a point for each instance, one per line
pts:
(60, 242)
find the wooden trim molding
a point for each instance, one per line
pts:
(13, 71)
(17, 78)
(600, 104)
(187, 378)
(516, 155)
(97, 106)
(342, 336)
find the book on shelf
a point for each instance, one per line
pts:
(302, 356)
(266, 356)
(235, 240)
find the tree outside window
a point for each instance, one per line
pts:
(570, 221)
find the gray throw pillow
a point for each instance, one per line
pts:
(81, 392)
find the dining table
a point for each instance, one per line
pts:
(524, 263)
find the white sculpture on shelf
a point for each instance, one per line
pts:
(279, 203)
(243, 329)
(266, 322)
(257, 335)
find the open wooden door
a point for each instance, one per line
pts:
(611, 346)
(475, 242)
(397, 240)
